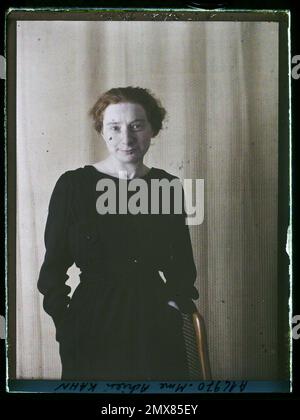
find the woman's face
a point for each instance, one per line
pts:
(126, 131)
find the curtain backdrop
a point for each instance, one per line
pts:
(219, 84)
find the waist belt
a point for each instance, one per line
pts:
(122, 268)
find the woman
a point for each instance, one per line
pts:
(122, 322)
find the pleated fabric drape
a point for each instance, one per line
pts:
(219, 84)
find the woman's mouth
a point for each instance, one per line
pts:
(127, 150)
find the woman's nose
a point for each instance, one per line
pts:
(127, 136)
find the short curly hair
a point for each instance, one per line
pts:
(152, 106)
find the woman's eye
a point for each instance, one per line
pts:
(115, 128)
(136, 126)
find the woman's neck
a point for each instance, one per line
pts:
(122, 169)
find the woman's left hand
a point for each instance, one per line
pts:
(173, 304)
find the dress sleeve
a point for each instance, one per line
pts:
(180, 270)
(57, 260)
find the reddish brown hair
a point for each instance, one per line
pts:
(152, 106)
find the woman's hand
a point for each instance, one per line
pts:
(173, 303)
(183, 305)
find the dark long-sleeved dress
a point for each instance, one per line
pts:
(117, 325)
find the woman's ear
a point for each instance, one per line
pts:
(152, 135)
(102, 135)
(151, 130)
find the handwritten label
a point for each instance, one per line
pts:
(153, 387)
(128, 388)
(76, 387)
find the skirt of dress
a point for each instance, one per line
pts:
(122, 329)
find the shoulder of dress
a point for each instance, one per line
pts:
(70, 178)
(161, 173)
(72, 174)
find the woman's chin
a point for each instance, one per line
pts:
(128, 157)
